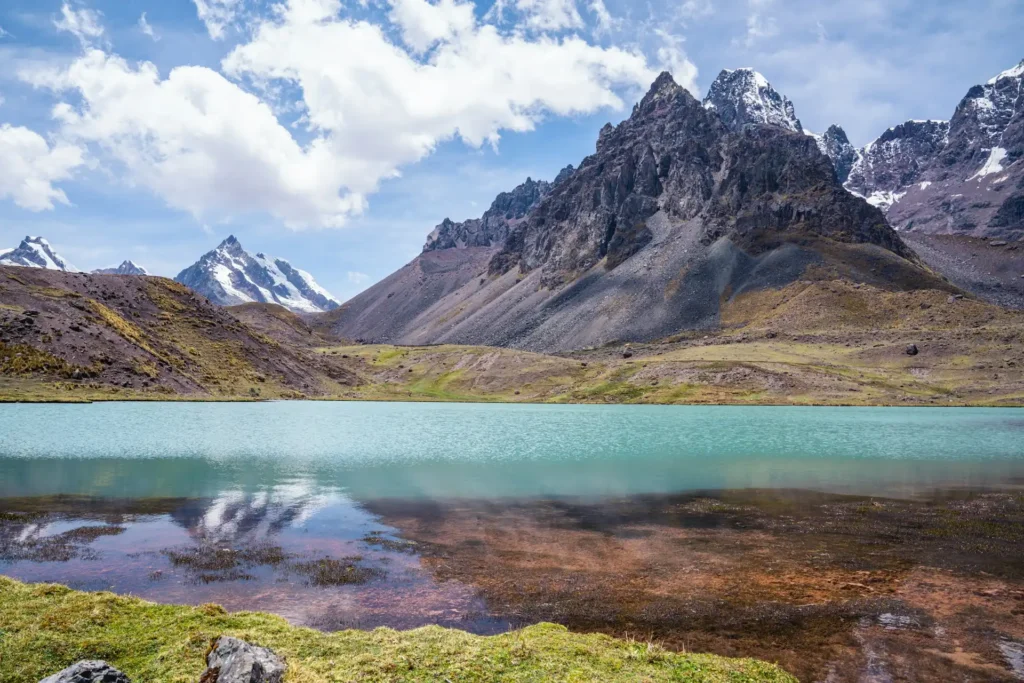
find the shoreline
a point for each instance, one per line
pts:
(47, 627)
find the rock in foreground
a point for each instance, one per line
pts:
(235, 661)
(89, 671)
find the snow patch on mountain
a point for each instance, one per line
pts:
(35, 252)
(994, 164)
(229, 276)
(1014, 72)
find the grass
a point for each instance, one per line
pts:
(44, 628)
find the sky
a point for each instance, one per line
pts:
(337, 133)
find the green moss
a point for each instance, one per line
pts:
(44, 628)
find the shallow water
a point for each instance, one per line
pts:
(230, 503)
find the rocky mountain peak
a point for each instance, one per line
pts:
(35, 252)
(835, 144)
(228, 275)
(743, 97)
(895, 160)
(491, 229)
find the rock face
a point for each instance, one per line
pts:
(744, 97)
(493, 227)
(965, 177)
(836, 146)
(896, 160)
(35, 252)
(676, 212)
(229, 276)
(235, 661)
(126, 268)
(89, 671)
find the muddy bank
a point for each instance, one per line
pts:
(833, 588)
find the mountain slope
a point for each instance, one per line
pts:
(673, 214)
(35, 252)
(229, 275)
(126, 268)
(83, 335)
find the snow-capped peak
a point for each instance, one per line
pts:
(1013, 72)
(35, 252)
(126, 268)
(229, 275)
(742, 97)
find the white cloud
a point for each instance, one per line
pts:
(31, 166)
(83, 23)
(542, 15)
(199, 141)
(217, 15)
(370, 106)
(672, 58)
(696, 9)
(605, 21)
(357, 278)
(3, 33)
(146, 28)
(759, 25)
(424, 24)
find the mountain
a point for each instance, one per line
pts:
(836, 146)
(126, 268)
(35, 252)
(493, 227)
(964, 177)
(683, 207)
(743, 97)
(229, 276)
(896, 160)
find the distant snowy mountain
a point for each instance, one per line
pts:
(126, 268)
(229, 275)
(963, 176)
(744, 97)
(35, 252)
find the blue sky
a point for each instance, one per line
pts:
(337, 134)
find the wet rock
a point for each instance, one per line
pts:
(235, 661)
(88, 671)
(912, 350)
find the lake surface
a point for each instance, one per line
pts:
(329, 513)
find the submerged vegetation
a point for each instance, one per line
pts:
(44, 628)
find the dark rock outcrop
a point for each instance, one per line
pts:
(836, 146)
(235, 661)
(88, 671)
(493, 227)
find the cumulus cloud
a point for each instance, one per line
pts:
(84, 23)
(206, 144)
(31, 167)
(217, 15)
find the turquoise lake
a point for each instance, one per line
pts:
(156, 485)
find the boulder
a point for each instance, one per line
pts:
(912, 350)
(235, 661)
(88, 671)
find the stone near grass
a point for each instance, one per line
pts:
(88, 671)
(912, 350)
(235, 661)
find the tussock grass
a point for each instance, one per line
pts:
(44, 628)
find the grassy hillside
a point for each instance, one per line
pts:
(44, 628)
(832, 342)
